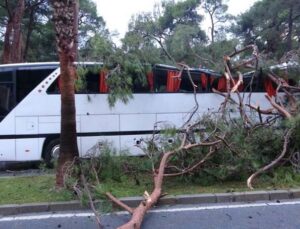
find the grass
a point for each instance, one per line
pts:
(176, 186)
(18, 190)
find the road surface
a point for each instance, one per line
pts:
(265, 215)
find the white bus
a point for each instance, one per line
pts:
(30, 108)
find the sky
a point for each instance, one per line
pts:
(117, 13)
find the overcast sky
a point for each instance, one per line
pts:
(117, 13)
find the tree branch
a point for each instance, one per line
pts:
(119, 203)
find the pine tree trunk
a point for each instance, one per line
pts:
(12, 50)
(7, 43)
(65, 18)
(290, 30)
(29, 32)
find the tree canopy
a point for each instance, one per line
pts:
(273, 25)
(172, 32)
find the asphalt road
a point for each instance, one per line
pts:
(254, 215)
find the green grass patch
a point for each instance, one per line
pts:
(178, 186)
(17, 190)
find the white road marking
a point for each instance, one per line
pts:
(199, 208)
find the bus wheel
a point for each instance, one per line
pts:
(51, 153)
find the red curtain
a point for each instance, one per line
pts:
(222, 84)
(150, 79)
(241, 87)
(103, 88)
(269, 88)
(173, 81)
(204, 81)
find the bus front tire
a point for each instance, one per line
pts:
(51, 153)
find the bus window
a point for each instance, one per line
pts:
(6, 93)
(28, 79)
(91, 84)
(54, 87)
(142, 85)
(253, 83)
(185, 84)
(160, 81)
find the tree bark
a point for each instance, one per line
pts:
(65, 19)
(12, 51)
(212, 32)
(290, 30)
(29, 32)
(7, 42)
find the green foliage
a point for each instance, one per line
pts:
(284, 176)
(109, 166)
(97, 48)
(127, 72)
(249, 150)
(176, 29)
(119, 84)
(183, 12)
(295, 124)
(217, 13)
(183, 42)
(80, 83)
(37, 27)
(274, 30)
(211, 56)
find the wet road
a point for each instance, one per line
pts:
(266, 215)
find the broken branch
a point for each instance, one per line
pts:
(273, 163)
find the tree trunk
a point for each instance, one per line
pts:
(29, 32)
(12, 51)
(212, 32)
(7, 43)
(290, 30)
(75, 24)
(65, 17)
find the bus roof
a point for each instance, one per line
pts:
(38, 65)
(193, 70)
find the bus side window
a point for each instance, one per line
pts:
(167, 81)
(186, 85)
(54, 87)
(6, 93)
(143, 83)
(213, 83)
(4, 100)
(160, 81)
(253, 83)
(92, 83)
(27, 80)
